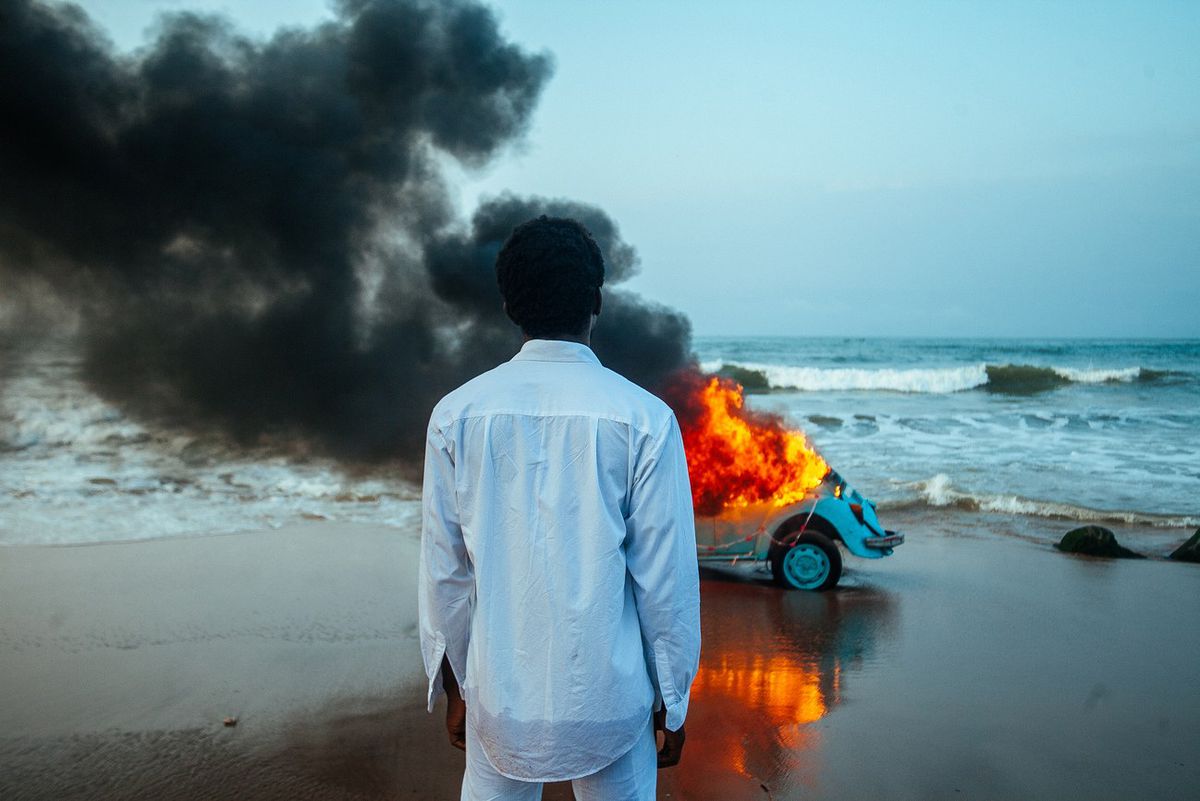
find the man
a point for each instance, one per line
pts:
(559, 586)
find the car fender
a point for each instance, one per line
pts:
(840, 516)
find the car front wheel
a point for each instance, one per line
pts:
(808, 561)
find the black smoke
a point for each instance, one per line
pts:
(256, 236)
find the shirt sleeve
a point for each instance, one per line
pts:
(660, 551)
(446, 578)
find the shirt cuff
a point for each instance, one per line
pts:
(677, 711)
(675, 702)
(433, 669)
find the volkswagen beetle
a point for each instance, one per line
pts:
(799, 541)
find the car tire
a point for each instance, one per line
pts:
(805, 561)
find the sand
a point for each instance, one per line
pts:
(967, 666)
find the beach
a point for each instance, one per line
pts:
(972, 664)
(925, 274)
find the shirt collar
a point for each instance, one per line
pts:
(555, 350)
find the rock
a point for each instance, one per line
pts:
(1095, 541)
(1189, 551)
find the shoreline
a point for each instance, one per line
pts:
(1154, 542)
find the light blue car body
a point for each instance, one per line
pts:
(834, 508)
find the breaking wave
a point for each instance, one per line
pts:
(1023, 379)
(939, 492)
(819, 379)
(1014, 379)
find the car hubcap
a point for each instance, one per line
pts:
(806, 566)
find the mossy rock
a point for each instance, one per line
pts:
(1189, 551)
(1095, 541)
(751, 380)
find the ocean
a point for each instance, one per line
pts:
(75, 469)
(1104, 431)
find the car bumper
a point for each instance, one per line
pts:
(891, 540)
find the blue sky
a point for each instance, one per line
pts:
(922, 169)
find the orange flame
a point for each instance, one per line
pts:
(789, 689)
(737, 457)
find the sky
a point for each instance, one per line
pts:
(1027, 169)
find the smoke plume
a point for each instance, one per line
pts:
(255, 235)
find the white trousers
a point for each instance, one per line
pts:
(631, 778)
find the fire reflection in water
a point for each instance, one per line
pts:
(773, 666)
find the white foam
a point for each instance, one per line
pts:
(61, 419)
(938, 491)
(937, 380)
(1098, 376)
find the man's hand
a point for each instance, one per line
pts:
(456, 707)
(672, 747)
(456, 721)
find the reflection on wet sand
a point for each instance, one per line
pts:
(773, 664)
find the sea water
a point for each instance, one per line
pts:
(1090, 430)
(1105, 431)
(76, 469)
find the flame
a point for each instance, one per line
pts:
(790, 691)
(783, 695)
(770, 671)
(737, 457)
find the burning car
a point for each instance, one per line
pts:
(761, 492)
(800, 540)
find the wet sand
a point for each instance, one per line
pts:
(967, 666)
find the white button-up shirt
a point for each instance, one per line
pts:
(558, 561)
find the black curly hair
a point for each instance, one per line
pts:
(550, 271)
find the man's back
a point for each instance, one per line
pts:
(558, 561)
